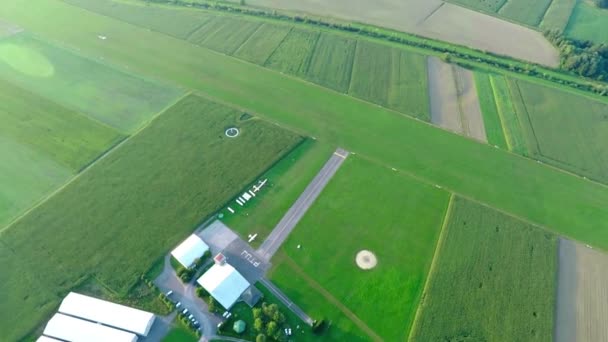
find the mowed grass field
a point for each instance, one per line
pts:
(489, 110)
(517, 185)
(564, 129)
(366, 206)
(509, 120)
(494, 279)
(287, 179)
(107, 95)
(133, 206)
(588, 23)
(42, 145)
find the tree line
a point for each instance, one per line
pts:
(581, 57)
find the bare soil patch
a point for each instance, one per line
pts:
(445, 111)
(582, 294)
(434, 19)
(471, 117)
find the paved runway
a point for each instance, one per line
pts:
(299, 208)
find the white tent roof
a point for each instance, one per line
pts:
(46, 339)
(191, 249)
(224, 283)
(77, 330)
(108, 313)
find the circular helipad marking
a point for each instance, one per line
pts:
(232, 132)
(26, 60)
(366, 260)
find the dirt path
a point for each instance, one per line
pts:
(582, 294)
(471, 117)
(445, 110)
(433, 19)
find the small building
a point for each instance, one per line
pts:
(188, 251)
(224, 283)
(68, 328)
(239, 326)
(113, 315)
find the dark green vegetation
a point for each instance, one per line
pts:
(180, 333)
(403, 211)
(588, 23)
(601, 3)
(286, 181)
(564, 129)
(131, 207)
(105, 94)
(494, 280)
(489, 109)
(584, 58)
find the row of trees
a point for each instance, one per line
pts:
(268, 322)
(448, 51)
(584, 58)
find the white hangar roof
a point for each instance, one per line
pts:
(72, 329)
(224, 283)
(191, 249)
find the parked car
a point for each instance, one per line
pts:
(170, 292)
(178, 304)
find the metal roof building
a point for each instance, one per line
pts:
(107, 313)
(191, 249)
(46, 339)
(77, 330)
(224, 283)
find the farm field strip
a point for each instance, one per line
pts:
(588, 23)
(332, 61)
(501, 179)
(258, 48)
(108, 95)
(495, 260)
(486, 6)
(229, 34)
(134, 190)
(468, 100)
(491, 119)
(530, 13)
(341, 215)
(445, 108)
(558, 15)
(508, 117)
(294, 53)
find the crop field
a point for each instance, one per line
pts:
(588, 23)
(262, 43)
(107, 95)
(530, 13)
(332, 62)
(294, 53)
(494, 279)
(558, 15)
(160, 19)
(133, 206)
(508, 116)
(569, 131)
(489, 110)
(42, 144)
(392, 78)
(345, 217)
(490, 6)
(286, 182)
(226, 35)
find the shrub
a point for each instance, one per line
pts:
(319, 326)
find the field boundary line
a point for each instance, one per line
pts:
(247, 39)
(526, 115)
(440, 241)
(308, 60)
(352, 67)
(458, 83)
(189, 34)
(264, 64)
(501, 117)
(292, 264)
(542, 18)
(431, 14)
(99, 158)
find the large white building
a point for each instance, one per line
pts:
(189, 250)
(224, 283)
(72, 329)
(107, 313)
(46, 339)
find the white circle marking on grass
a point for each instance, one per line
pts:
(366, 260)
(232, 132)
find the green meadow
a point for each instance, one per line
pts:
(494, 279)
(588, 23)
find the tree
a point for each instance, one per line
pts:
(257, 313)
(201, 292)
(601, 3)
(212, 306)
(258, 325)
(278, 317)
(271, 328)
(260, 338)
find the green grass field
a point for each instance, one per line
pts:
(180, 333)
(500, 179)
(262, 43)
(490, 6)
(508, 116)
(489, 110)
(494, 280)
(558, 15)
(392, 78)
(133, 206)
(161, 19)
(568, 131)
(530, 13)
(107, 95)
(228, 34)
(332, 62)
(350, 215)
(588, 23)
(294, 53)
(286, 181)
